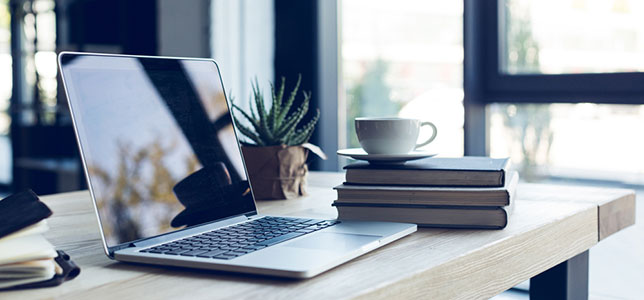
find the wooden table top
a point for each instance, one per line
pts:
(550, 224)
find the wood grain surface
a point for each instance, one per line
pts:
(616, 207)
(550, 224)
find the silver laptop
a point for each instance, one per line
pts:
(168, 180)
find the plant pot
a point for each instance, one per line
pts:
(276, 172)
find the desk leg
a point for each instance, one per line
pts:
(567, 280)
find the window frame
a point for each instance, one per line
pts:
(484, 83)
(613, 88)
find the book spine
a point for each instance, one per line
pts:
(343, 215)
(497, 198)
(408, 178)
(418, 206)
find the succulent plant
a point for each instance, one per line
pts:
(279, 125)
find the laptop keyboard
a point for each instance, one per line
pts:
(237, 240)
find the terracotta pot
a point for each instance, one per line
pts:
(276, 172)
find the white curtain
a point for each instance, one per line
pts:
(243, 44)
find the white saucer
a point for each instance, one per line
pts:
(358, 153)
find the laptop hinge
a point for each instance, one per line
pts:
(113, 249)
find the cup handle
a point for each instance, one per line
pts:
(430, 124)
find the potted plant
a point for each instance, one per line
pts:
(277, 147)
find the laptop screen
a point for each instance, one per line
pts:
(157, 141)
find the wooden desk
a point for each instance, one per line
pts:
(552, 228)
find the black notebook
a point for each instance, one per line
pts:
(27, 259)
(21, 210)
(473, 171)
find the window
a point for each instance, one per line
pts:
(35, 105)
(564, 37)
(404, 58)
(38, 59)
(561, 89)
(5, 92)
(584, 140)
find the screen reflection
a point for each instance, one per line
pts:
(158, 142)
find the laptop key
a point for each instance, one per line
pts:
(227, 255)
(313, 222)
(194, 252)
(254, 247)
(212, 253)
(176, 252)
(223, 257)
(303, 220)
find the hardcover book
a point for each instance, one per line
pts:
(483, 217)
(471, 171)
(429, 195)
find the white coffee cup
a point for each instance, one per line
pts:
(390, 135)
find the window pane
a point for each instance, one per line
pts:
(587, 141)
(405, 58)
(5, 92)
(572, 36)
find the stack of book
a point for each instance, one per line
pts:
(27, 259)
(467, 192)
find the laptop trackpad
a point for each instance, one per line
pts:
(334, 241)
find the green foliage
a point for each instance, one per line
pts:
(279, 125)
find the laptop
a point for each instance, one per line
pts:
(167, 177)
